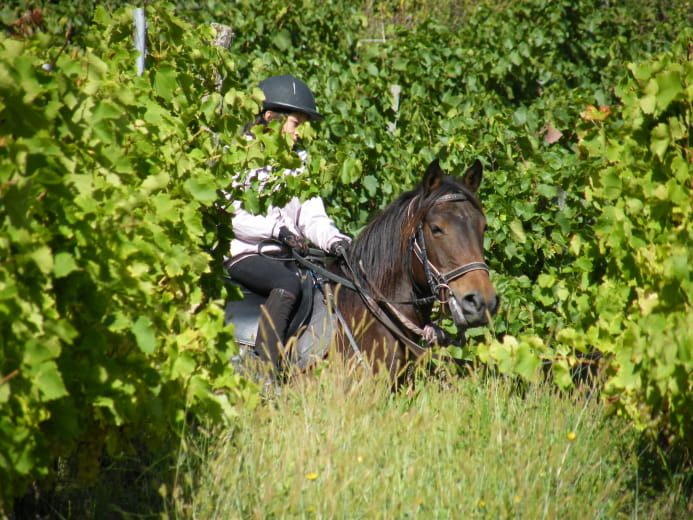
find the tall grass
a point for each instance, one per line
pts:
(332, 446)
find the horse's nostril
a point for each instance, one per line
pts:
(473, 302)
(494, 304)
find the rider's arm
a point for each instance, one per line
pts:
(251, 228)
(254, 228)
(316, 226)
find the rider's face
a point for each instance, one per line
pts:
(291, 122)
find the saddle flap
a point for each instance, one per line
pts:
(305, 306)
(245, 314)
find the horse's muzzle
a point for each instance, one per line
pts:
(472, 310)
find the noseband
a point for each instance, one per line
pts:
(439, 282)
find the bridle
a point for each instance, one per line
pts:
(438, 282)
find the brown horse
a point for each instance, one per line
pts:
(426, 246)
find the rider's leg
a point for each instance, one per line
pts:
(271, 331)
(280, 282)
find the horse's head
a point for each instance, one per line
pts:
(449, 244)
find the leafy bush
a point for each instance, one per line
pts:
(106, 336)
(639, 160)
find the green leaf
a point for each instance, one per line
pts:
(4, 393)
(202, 189)
(561, 374)
(183, 366)
(282, 39)
(347, 172)
(546, 280)
(101, 16)
(611, 181)
(43, 258)
(670, 86)
(49, 382)
(156, 182)
(562, 293)
(660, 140)
(165, 82)
(648, 104)
(641, 71)
(547, 191)
(165, 206)
(677, 266)
(371, 185)
(12, 49)
(144, 334)
(109, 404)
(527, 362)
(518, 231)
(36, 352)
(64, 265)
(105, 109)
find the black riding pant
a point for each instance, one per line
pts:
(261, 274)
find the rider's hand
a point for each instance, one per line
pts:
(435, 335)
(340, 248)
(293, 241)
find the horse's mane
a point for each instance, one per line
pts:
(380, 255)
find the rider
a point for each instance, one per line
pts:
(291, 102)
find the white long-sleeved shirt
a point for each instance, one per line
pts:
(306, 219)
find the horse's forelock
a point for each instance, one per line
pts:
(452, 185)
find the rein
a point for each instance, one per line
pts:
(371, 303)
(374, 306)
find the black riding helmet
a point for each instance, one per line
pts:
(286, 93)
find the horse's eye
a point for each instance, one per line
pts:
(437, 230)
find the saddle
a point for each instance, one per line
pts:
(311, 322)
(245, 313)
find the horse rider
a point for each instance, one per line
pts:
(289, 101)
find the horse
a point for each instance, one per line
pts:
(375, 302)
(424, 247)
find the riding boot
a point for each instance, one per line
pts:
(272, 326)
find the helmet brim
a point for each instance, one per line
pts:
(285, 107)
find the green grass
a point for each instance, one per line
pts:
(332, 446)
(476, 447)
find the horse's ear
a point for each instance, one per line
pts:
(433, 176)
(472, 177)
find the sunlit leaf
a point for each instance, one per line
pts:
(49, 382)
(144, 334)
(64, 265)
